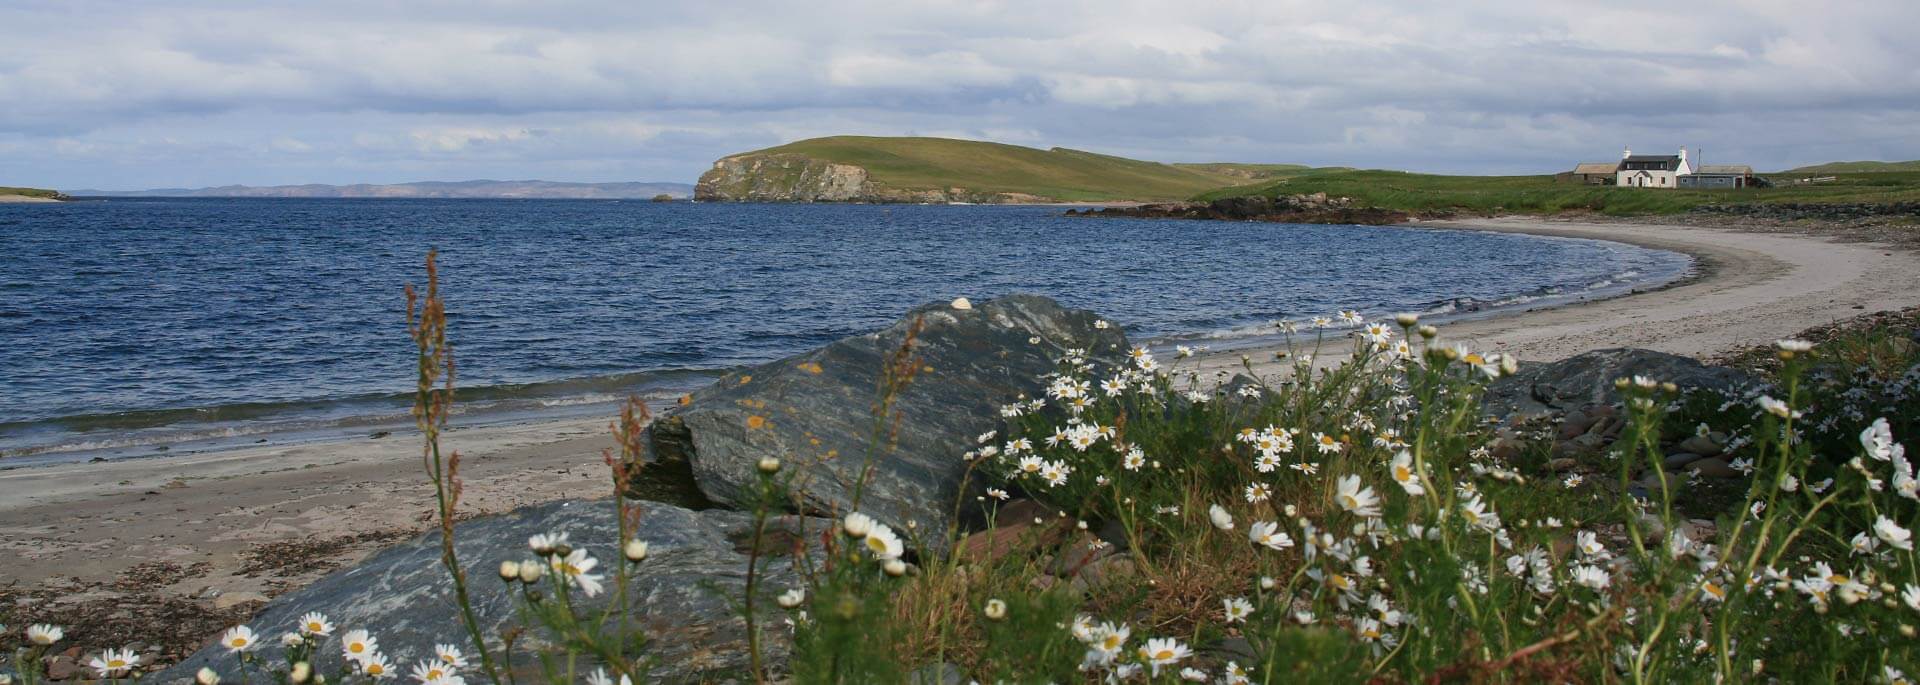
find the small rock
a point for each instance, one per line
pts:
(62, 668)
(1713, 468)
(1576, 423)
(1562, 464)
(1083, 549)
(234, 599)
(1104, 570)
(1680, 460)
(1702, 445)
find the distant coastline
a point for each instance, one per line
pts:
(476, 189)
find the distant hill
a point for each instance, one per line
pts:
(11, 194)
(1856, 168)
(882, 169)
(426, 189)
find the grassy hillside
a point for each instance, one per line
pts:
(1856, 167)
(1060, 173)
(1429, 193)
(32, 192)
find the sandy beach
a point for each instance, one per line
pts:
(246, 524)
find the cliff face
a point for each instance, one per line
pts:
(781, 178)
(789, 177)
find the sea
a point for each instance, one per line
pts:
(147, 327)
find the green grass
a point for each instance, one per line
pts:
(1856, 168)
(31, 192)
(980, 167)
(1432, 194)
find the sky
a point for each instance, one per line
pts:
(189, 93)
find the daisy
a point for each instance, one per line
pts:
(42, 634)
(1258, 492)
(316, 624)
(998, 494)
(1325, 443)
(1134, 459)
(238, 639)
(1106, 643)
(1892, 533)
(1163, 651)
(450, 655)
(1350, 317)
(1355, 499)
(883, 543)
(1238, 609)
(1268, 533)
(1591, 576)
(113, 662)
(1055, 473)
(1031, 464)
(1266, 463)
(1777, 407)
(575, 567)
(377, 667)
(357, 645)
(1221, 519)
(1878, 439)
(428, 671)
(544, 543)
(1402, 469)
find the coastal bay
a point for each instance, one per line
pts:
(217, 514)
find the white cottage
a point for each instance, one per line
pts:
(1652, 171)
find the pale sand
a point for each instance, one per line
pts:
(23, 199)
(92, 521)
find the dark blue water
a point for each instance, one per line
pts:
(140, 321)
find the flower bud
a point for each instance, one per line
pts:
(1429, 332)
(895, 567)
(1406, 320)
(530, 572)
(562, 549)
(206, 676)
(1266, 582)
(996, 609)
(301, 672)
(509, 570)
(769, 465)
(635, 550)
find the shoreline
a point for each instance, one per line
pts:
(326, 504)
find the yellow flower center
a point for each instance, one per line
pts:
(1402, 474)
(357, 647)
(1163, 655)
(117, 663)
(375, 669)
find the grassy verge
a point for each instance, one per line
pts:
(1430, 194)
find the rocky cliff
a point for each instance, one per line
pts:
(792, 177)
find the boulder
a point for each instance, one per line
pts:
(404, 597)
(816, 411)
(1587, 379)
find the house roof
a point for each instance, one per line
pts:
(1670, 159)
(1595, 167)
(1739, 169)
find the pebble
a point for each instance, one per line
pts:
(1713, 468)
(1679, 460)
(1702, 445)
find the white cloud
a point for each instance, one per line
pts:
(127, 91)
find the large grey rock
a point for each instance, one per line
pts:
(403, 596)
(816, 411)
(1587, 379)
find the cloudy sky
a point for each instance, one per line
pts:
(160, 93)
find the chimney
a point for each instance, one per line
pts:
(1626, 152)
(1683, 153)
